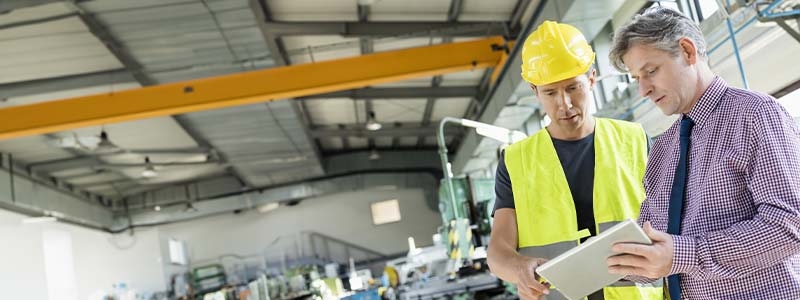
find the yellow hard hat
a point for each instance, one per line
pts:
(555, 52)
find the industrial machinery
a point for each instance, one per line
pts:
(455, 266)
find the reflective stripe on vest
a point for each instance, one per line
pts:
(545, 210)
(619, 290)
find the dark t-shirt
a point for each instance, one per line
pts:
(577, 161)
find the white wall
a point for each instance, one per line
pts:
(102, 259)
(21, 259)
(344, 216)
(97, 263)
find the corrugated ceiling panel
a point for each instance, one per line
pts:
(133, 158)
(330, 144)
(294, 174)
(45, 55)
(383, 142)
(322, 47)
(463, 78)
(174, 173)
(74, 172)
(171, 13)
(253, 137)
(481, 10)
(187, 58)
(399, 110)
(52, 28)
(32, 149)
(153, 133)
(228, 5)
(431, 141)
(314, 10)
(180, 40)
(357, 142)
(414, 10)
(408, 141)
(416, 82)
(396, 44)
(106, 189)
(195, 72)
(99, 177)
(333, 111)
(143, 31)
(115, 5)
(449, 107)
(34, 13)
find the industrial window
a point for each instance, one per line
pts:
(385, 212)
(177, 253)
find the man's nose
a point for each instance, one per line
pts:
(645, 89)
(566, 102)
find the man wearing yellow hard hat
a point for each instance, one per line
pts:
(576, 178)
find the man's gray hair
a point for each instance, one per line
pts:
(657, 27)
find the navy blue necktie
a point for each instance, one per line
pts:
(676, 199)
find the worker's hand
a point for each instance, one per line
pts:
(529, 286)
(651, 261)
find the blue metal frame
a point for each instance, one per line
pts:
(767, 14)
(736, 52)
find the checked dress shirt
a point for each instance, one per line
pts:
(740, 227)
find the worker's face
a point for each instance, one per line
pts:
(671, 82)
(567, 102)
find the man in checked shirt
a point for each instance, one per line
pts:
(722, 184)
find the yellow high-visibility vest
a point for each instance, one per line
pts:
(546, 219)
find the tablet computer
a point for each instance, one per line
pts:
(583, 270)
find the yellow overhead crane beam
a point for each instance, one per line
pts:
(250, 87)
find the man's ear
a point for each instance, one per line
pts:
(533, 87)
(688, 50)
(592, 78)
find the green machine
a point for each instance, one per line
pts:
(466, 220)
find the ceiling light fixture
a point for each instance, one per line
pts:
(497, 133)
(268, 207)
(157, 208)
(189, 207)
(36, 220)
(374, 155)
(105, 145)
(149, 169)
(372, 124)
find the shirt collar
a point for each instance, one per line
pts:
(708, 101)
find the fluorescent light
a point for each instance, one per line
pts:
(157, 208)
(105, 145)
(501, 134)
(372, 125)
(473, 124)
(374, 155)
(495, 132)
(268, 207)
(149, 173)
(149, 170)
(35, 220)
